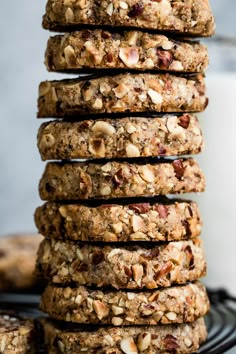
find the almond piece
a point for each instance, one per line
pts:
(103, 127)
(121, 90)
(128, 346)
(117, 310)
(137, 270)
(116, 321)
(132, 151)
(144, 341)
(137, 223)
(129, 56)
(110, 9)
(147, 173)
(69, 54)
(69, 15)
(155, 96)
(101, 309)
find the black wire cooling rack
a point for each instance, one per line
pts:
(221, 321)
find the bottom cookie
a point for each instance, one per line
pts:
(178, 339)
(16, 334)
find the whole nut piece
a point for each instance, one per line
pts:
(101, 309)
(144, 341)
(129, 56)
(128, 346)
(104, 128)
(155, 96)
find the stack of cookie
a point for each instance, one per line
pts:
(122, 260)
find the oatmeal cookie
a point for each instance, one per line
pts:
(99, 49)
(121, 266)
(123, 93)
(77, 181)
(169, 135)
(180, 339)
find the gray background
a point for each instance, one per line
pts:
(21, 69)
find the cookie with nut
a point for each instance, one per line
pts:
(122, 260)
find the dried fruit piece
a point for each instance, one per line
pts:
(140, 208)
(162, 211)
(165, 58)
(97, 257)
(171, 342)
(179, 168)
(184, 121)
(136, 10)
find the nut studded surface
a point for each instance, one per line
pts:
(122, 93)
(75, 181)
(180, 339)
(186, 17)
(128, 50)
(121, 266)
(16, 334)
(126, 137)
(168, 305)
(169, 221)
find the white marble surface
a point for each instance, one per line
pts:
(21, 68)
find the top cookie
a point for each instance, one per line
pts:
(181, 16)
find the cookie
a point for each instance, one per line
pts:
(169, 305)
(99, 49)
(76, 181)
(122, 266)
(16, 334)
(179, 339)
(124, 137)
(122, 93)
(188, 17)
(17, 261)
(170, 220)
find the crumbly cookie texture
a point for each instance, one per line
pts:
(169, 305)
(16, 334)
(124, 137)
(125, 50)
(179, 339)
(122, 93)
(76, 181)
(185, 17)
(169, 221)
(120, 266)
(17, 261)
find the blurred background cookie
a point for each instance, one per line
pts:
(17, 261)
